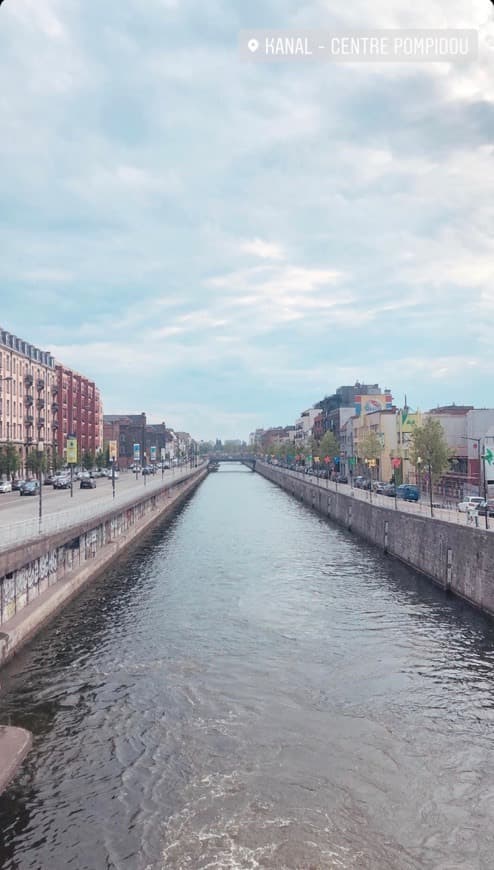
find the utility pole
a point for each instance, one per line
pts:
(430, 486)
(483, 457)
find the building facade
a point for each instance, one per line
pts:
(79, 412)
(28, 397)
(126, 430)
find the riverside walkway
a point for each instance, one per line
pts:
(19, 517)
(421, 508)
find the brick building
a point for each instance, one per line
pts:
(79, 411)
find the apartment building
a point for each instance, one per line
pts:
(28, 396)
(79, 411)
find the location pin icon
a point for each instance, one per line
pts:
(253, 45)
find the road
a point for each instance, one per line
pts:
(19, 515)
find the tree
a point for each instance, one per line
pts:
(36, 461)
(9, 460)
(57, 461)
(88, 459)
(430, 448)
(370, 447)
(328, 446)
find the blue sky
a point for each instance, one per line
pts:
(221, 243)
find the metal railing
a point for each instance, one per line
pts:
(421, 508)
(27, 530)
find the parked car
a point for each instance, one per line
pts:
(408, 492)
(486, 507)
(87, 483)
(16, 484)
(48, 480)
(359, 481)
(379, 486)
(472, 501)
(342, 478)
(5, 486)
(389, 490)
(30, 487)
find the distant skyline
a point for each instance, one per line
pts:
(221, 243)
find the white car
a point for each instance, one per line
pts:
(472, 501)
(5, 486)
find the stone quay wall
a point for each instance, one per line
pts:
(38, 578)
(457, 558)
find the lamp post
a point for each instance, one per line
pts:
(430, 486)
(2, 379)
(41, 448)
(482, 475)
(483, 458)
(476, 441)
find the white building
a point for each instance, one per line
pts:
(303, 427)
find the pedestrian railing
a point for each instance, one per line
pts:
(27, 530)
(422, 508)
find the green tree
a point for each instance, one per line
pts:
(88, 460)
(57, 461)
(36, 461)
(99, 459)
(328, 446)
(10, 460)
(430, 451)
(370, 448)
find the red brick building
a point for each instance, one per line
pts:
(79, 411)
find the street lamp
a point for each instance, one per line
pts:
(41, 448)
(476, 441)
(482, 475)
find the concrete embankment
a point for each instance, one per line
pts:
(458, 558)
(38, 578)
(15, 744)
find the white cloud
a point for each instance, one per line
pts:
(265, 250)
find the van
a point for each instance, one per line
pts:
(408, 492)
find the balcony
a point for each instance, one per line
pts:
(28, 400)
(54, 390)
(54, 407)
(54, 425)
(40, 384)
(29, 420)
(41, 422)
(28, 380)
(29, 440)
(40, 404)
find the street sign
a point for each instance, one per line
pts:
(71, 453)
(137, 452)
(112, 450)
(153, 454)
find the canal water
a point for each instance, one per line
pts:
(254, 688)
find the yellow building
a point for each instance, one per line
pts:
(406, 422)
(393, 428)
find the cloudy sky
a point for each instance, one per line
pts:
(221, 243)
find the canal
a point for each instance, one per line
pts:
(254, 688)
